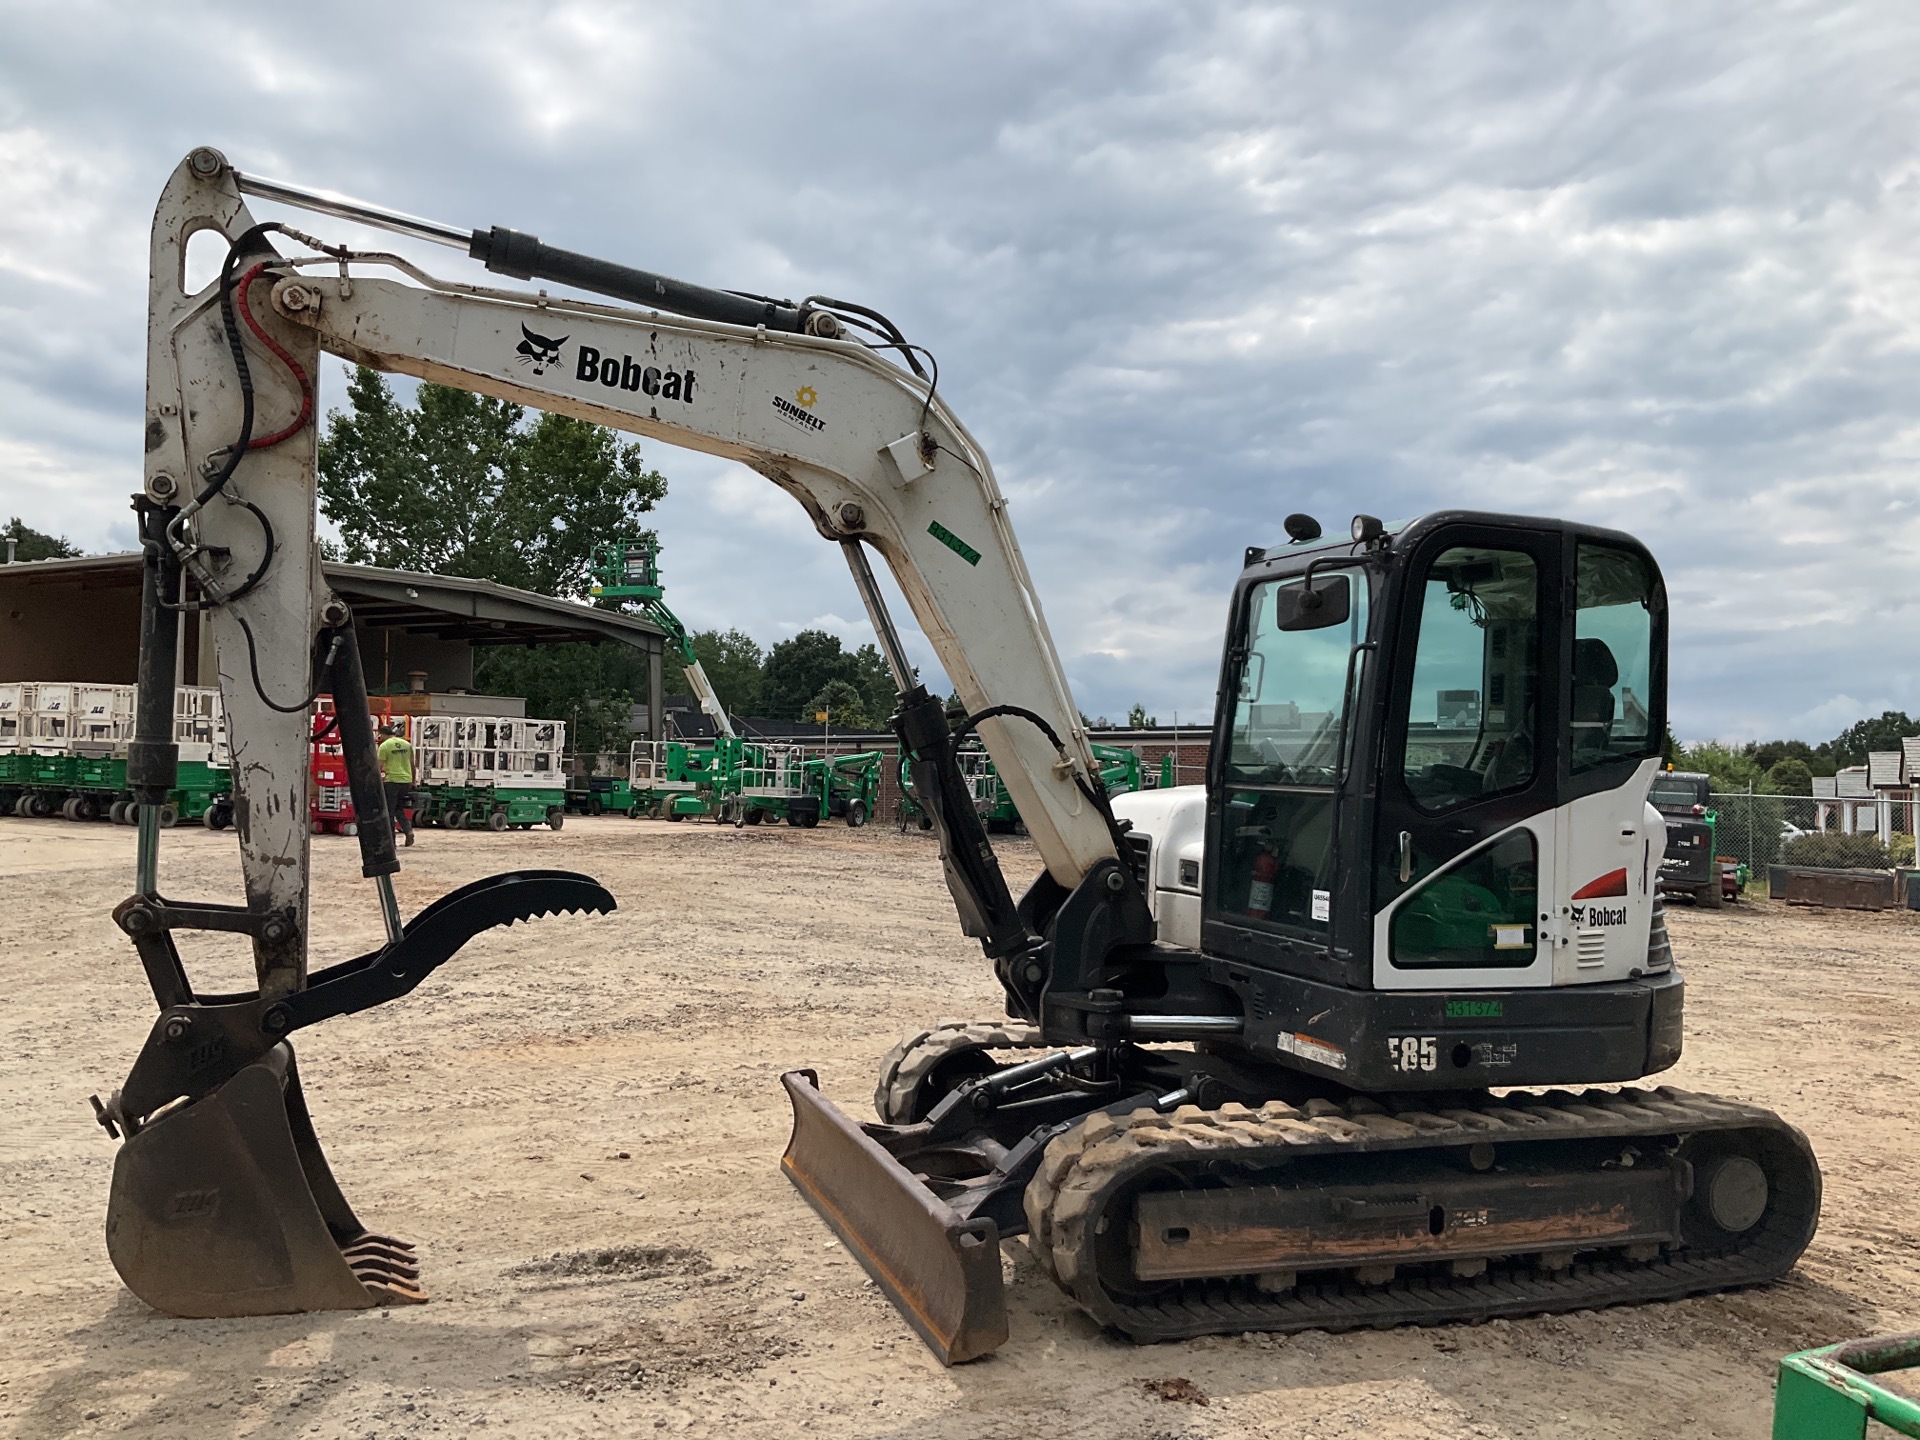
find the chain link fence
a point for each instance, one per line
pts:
(1765, 830)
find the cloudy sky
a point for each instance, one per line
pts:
(1186, 268)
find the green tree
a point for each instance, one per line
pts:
(1884, 732)
(844, 705)
(1789, 775)
(733, 663)
(1732, 769)
(462, 484)
(1769, 753)
(873, 677)
(1138, 719)
(796, 670)
(32, 544)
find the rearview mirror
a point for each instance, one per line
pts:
(1312, 607)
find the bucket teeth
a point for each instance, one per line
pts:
(379, 1256)
(364, 1265)
(389, 1291)
(373, 1244)
(379, 1277)
(387, 1268)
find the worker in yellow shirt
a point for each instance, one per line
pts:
(396, 774)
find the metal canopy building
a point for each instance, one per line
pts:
(79, 620)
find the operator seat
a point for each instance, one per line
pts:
(1511, 762)
(1595, 673)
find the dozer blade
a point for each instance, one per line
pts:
(941, 1271)
(226, 1207)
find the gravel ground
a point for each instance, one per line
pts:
(579, 1123)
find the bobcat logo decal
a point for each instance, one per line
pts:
(1598, 916)
(538, 350)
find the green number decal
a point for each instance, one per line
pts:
(954, 543)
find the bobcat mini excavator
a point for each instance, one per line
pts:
(1263, 1027)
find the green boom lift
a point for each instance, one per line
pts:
(733, 780)
(630, 570)
(692, 778)
(847, 785)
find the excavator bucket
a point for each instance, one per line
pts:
(941, 1270)
(226, 1207)
(222, 1202)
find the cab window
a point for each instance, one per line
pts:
(1472, 712)
(1478, 915)
(1610, 716)
(1277, 860)
(1283, 758)
(1287, 717)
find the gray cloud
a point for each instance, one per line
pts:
(1186, 268)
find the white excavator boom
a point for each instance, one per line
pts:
(863, 445)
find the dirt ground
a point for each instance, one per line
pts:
(589, 1084)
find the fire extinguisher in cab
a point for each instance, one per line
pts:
(1266, 869)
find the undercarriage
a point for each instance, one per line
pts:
(1279, 1202)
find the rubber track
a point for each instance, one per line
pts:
(1092, 1165)
(916, 1057)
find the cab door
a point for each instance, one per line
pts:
(1278, 777)
(1466, 844)
(1610, 846)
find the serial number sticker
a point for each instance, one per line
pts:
(954, 543)
(1476, 1009)
(1510, 937)
(1306, 1047)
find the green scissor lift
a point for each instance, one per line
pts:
(1830, 1393)
(93, 787)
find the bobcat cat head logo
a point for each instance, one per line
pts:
(1579, 914)
(538, 350)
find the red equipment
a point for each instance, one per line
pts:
(329, 801)
(1266, 869)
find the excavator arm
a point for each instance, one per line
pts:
(870, 452)
(872, 458)
(865, 445)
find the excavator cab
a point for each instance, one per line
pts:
(1430, 773)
